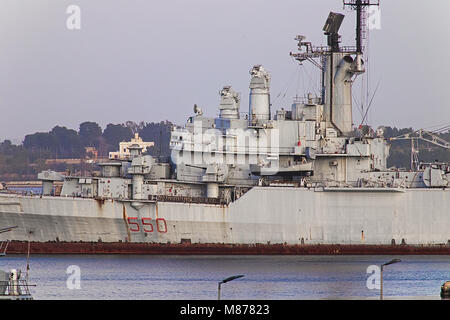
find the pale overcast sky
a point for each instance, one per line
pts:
(151, 60)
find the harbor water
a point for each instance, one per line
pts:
(162, 277)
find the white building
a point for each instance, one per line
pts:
(124, 153)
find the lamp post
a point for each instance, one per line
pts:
(227, 280)
(381, 275)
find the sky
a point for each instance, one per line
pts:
(152, 60)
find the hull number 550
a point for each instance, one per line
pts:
(146, 224)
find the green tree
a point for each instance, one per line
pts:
(116, 133)
(159, 133)
(41, 141)
(68, 142)
(89, 133)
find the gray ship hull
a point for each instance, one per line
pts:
(264, 216)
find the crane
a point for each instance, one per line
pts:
(424, 135)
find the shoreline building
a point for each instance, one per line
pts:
(124, 152)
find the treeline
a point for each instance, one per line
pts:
(26, 160)
(23, 162)
(61, 142)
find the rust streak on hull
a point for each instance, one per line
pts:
(20, 247)
(124, 214)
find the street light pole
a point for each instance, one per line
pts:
(381, 275)
(225, 281)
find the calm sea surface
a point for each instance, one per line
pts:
(196, 277)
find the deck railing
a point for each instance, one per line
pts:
(15, 288)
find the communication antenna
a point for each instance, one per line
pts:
(360, 6)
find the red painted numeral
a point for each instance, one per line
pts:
(149, 223)
(161, 224)
(130, 222)
(162, 229)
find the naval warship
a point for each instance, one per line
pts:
(300, 180)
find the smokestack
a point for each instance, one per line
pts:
(259, 102)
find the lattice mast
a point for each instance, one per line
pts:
(339, 65)
(360, 7)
